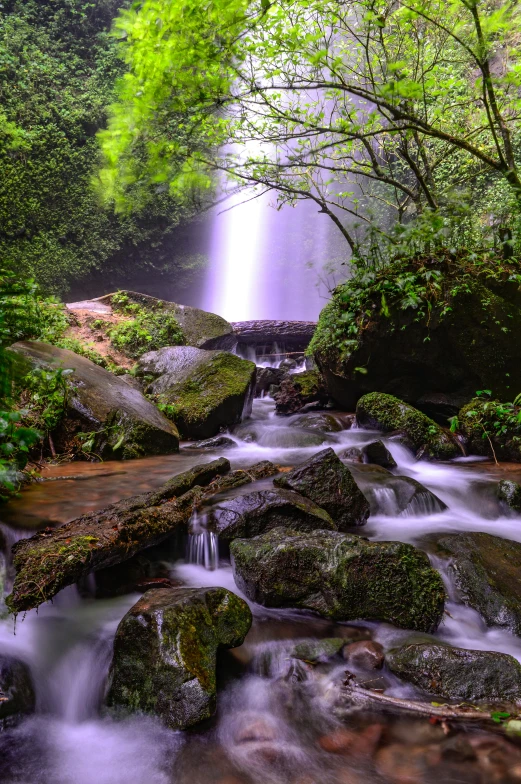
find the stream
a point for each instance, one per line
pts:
(275, 721)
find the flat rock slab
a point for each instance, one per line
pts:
(457, 673)
(165, 652)
(341, 577)
(100, 401)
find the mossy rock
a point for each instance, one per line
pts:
(297, 390)
(165, 652)
(212, 394)
(326, 481)
(489, 433)
(457, 673)
(341, 577)
(386, 413)
(255, 513)
(123, 422)
(456, 338)
(509, 494)
(486, 572)
(200, 328)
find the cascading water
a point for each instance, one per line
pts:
(274, 723)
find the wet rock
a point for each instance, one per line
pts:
(165, 652)
(288, 364)
(266, 378)
(210, 392)
(318, 650)
(357, 745)
(298, 390)
(256, 729)
(213, 443)
(408, 765)
(127, 424)
(340, 576)
(485, 570)
(341, 741)
(16, 691)
(326, 481)
(503, 442)
(441, 406)
(457, 673)
(253, 514)
(377, 453)
(396, 495)
(291, 438)
(352, 455)
(365, 655)
(325, 423)
(293, 335)
(509, 494)
(387, 413)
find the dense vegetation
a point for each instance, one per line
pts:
(58, 67)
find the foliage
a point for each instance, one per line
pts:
(58, 66)
(148, 330)
(495, 422)
(374, 109)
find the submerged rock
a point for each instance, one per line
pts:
(318, 650)
(165, 652)
(387, 413)
(326, 481)
(364, 655)
(325, 423)
(486, 572)
(16, 691)
(457, 673)
(352, 455)
(396, 495)
(341, 577)
(298, 390)
(205, 394)
(213, 443)
(509, 494)
(127, 424)
(377, 453)
(253, 514)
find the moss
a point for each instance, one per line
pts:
(213, 394)
(388, 413)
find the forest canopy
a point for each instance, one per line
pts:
(385, 114)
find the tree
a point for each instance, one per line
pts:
(377, 110)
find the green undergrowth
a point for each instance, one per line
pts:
(147, 330)
(425, 286)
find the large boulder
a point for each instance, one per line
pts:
(326, 481)
(457, 673)
(421, 327)
(486, 572)
(341, 577)
(253, 514)
(268, 377)
(200, 328)
(165, 652)
(202, 391)
(16, 691)
(299, 389)
(127, 424)
(386, 413)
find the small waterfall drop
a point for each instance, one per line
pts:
(203, 545)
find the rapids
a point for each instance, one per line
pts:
(272, 717)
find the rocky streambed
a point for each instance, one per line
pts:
(302, 601)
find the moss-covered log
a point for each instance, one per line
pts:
(53, 559)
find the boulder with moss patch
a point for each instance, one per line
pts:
(123, 423)
(165, 652)
(457, 673)
(341, 577)
(299, 389)
(378, 411)
(326, 481)
(491, 429)
(204, 392)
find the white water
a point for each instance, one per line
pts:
(68, 644)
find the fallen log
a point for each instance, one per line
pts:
(292, 335)
(55, 558)
(357, 696)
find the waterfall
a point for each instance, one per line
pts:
(203, 550)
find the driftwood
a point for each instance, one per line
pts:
(55, 558)
(352, 694)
